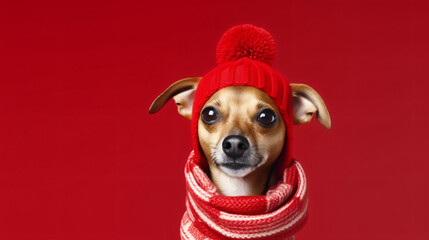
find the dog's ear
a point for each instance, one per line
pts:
(306, 102)
(182, 92)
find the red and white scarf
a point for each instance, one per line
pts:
(277, 215)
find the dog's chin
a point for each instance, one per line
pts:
(239, 167)
(236, 169)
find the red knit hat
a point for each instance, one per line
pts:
(244, 57)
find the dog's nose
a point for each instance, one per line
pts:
(235, 145)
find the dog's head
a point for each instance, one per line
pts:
(242, 111)
(240, 128)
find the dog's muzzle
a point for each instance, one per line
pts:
(236, 149)
(234, 146)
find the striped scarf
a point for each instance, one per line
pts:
(277, 215)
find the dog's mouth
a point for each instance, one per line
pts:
(236, 157)
(235, 165)
(238, 167)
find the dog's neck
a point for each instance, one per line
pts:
(255, 183)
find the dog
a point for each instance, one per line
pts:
(241, 131)
(241, 180)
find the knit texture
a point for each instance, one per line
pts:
(246, 41)
(275, 216)
(244, 54)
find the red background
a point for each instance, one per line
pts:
(80, 158)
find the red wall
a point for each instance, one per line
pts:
(80, 158)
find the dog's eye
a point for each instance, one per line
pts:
(209, 115)
(266, 118)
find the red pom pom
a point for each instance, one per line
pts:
(246, 41)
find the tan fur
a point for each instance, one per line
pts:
(238, 107)
(306, 102)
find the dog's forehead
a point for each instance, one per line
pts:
(240, 94)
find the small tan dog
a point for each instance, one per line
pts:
(241, 179)
(241, 131)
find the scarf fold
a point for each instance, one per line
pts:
(277, 215)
